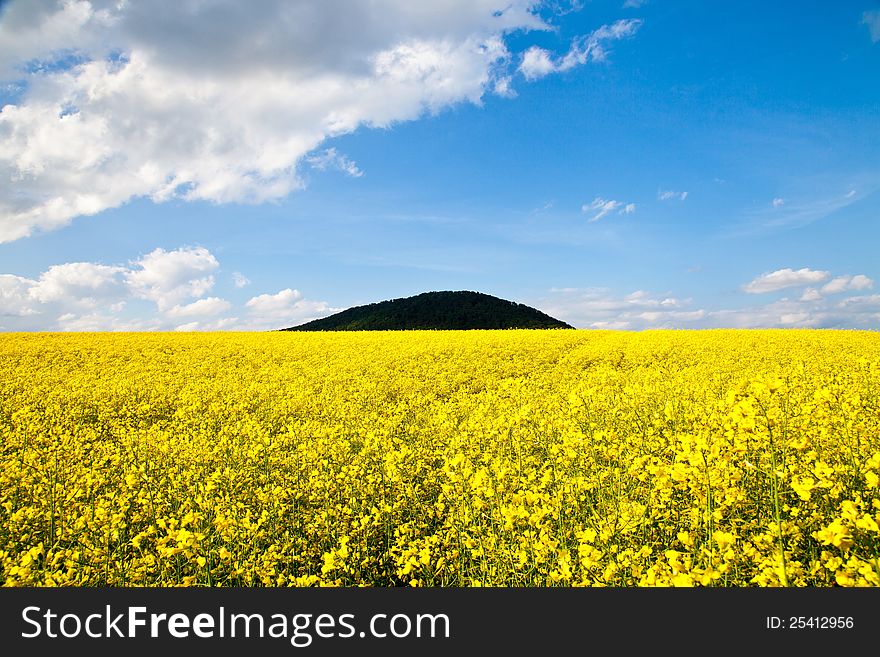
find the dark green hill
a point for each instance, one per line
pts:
(433, 311)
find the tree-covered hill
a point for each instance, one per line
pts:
(437, 311)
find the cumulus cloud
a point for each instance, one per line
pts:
(670, 195)
(503, 87)
(602, 207)
(811, 309)
(784, 278)
(80, 283)
(783, 313)
(599, 308)
(240, 280)
(537, 62)
(15, 299)
(169, 277)
(221, 102)
(288, 305)
(870, 302)
(104, 321)
(844, 283)
(644, 299)
(860, 282)
(203, 307)
(811, 294)
(160, 291)
(279, 303)
(778, 202)
(223, 324)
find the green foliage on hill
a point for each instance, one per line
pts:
(435, 311)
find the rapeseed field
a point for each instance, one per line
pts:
(519, 458)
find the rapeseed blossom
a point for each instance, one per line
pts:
(521, 458)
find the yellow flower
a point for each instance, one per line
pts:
(803, 486)
(682, 580)
(723, 539)
(520, 458)
(836, 534)
(867, 523)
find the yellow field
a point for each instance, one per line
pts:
(525, 458)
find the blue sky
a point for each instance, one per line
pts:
(618, 165)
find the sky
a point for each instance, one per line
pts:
(628, 164)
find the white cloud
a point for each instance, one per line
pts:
(860, 282)
(641, 309)
(156, 292)
(669, 194)
(15, 299)
(784, 278)
(644, 299)
(190, 326)
(272, 304)
(221, 102)
(872, 20)
(169, 277)
(538, 62)
(810, 310)
(783, 313)
(102, 321)
(215, 325)
(634, 4)
(844, 283)
(39, 28)
(599, 308)
(654, 317)
(798, 319)
(82, 283)
(202, 307)
(778, 202)
(240, 280)
(811, 294)
(502, 87)
(602, 207)
(287, 307)
(611, 325)
(93, 296)
(330, 159)
(865, 302)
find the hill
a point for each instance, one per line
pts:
(435, 311)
